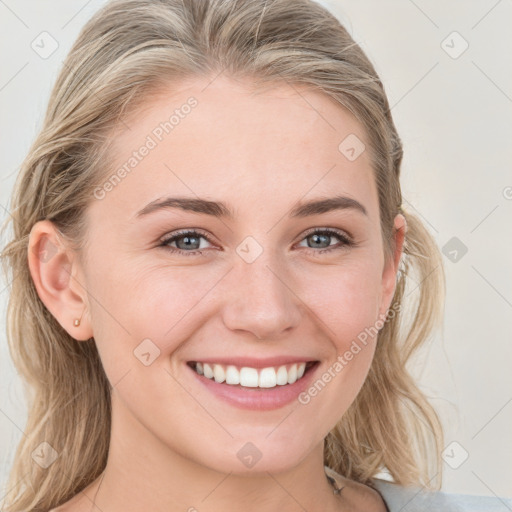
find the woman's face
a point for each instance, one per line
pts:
(249, 285)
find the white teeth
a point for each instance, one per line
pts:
(232, 375)
(267, 378)
(248, 377)
(208, 372)
(251, 377)
(292, 374)
(218, 373)
(282, 376)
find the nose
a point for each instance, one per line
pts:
(261, 300)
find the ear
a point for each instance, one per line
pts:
(54, 269)
(391, 265)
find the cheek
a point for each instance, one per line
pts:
(348, 304)
(140, 308)
(345, 298)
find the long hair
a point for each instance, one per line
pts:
(127, 50)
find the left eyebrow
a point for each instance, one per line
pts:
(220, 209)
(320, 206)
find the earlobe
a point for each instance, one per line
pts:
(53, 267)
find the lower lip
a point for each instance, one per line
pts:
(258, 399)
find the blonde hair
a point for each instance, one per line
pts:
(127, 50)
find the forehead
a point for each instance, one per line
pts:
(225, 140)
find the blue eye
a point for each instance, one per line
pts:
(185, 239)
(191, 239)
(320, 235)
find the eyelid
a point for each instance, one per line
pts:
(186, 231)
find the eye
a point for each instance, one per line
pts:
(322, 237)
(188, 242)
(184, 241)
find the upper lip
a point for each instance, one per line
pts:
(254, 362)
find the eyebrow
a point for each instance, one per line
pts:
(220, 209)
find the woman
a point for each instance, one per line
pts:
(211, 256)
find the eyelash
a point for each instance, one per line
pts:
(346, 241)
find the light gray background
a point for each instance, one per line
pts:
(453, 115)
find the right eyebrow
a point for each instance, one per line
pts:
(197, 205)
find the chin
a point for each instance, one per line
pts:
(255, 458)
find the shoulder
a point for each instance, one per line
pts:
(357, 496)
(416, 499)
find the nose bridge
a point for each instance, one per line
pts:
(262, 300)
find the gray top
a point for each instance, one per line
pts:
(415, 499)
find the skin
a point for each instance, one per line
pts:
(174, 445)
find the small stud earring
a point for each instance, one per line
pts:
(76, 323)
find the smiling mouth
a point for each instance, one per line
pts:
(269, 377)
